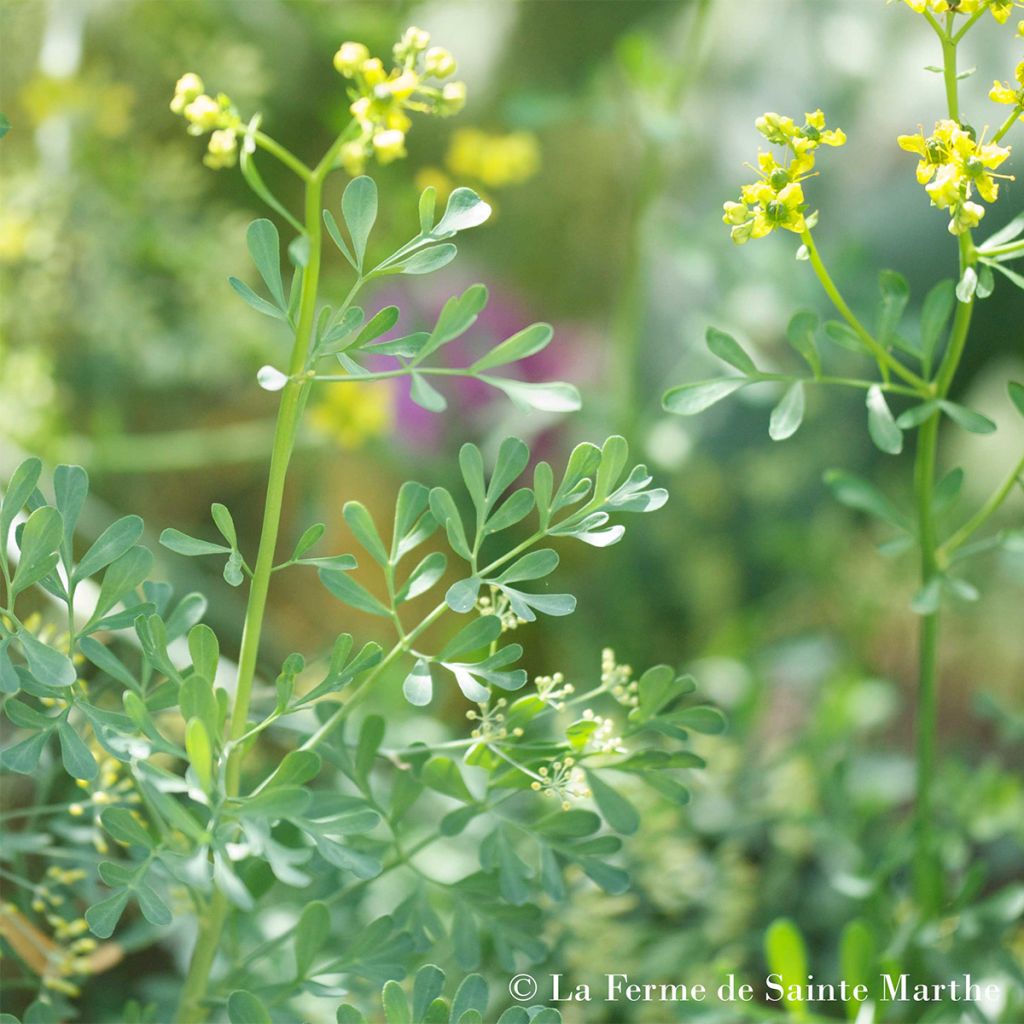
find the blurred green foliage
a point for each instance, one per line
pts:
(121, 346)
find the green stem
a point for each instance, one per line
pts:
(949, 72)
(1002, 250)
(358, 692)
(191, 1009)
(924, 875)
(983, 514)
(1008, 123)
(925, 868)
(885, 359)
(289, 159)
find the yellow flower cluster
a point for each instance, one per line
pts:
(206, 114)
(484, 160)
(382, 100)
(1004, 92)
(953, 164)
(70, 953)
(999, 9)
(354, 416)
(777, 199)
(495, 161)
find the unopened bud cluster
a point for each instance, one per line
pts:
(498, 605)
(74, 944)
(553, 690)
(603, 739)
(206, 114)
(564, 781)
(618, 679)
(383, 98)
(491, 722)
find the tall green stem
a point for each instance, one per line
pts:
(191, 1009)
(886, 361)
(926, 877)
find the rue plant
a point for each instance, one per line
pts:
(961, 167)
(207, 790)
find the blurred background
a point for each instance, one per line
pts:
(607, 136)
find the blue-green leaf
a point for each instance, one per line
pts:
(788, 414)
(359, 208)
(881, 426)
(693, 398)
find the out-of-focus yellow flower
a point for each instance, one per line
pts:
(439, 62)
(353, 416)
(187, 88)
(777, 199)
(435, 178)
(495, 161)
(453, 98)
(389, 145)
(413, 42)
(484, 160)
(205, 114)
(953, 165)
(350, 58)
(222, 150)
(1004, 92)
(107, 104)
(353, 158)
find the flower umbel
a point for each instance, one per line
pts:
(564, 780)
(777, 199)
(953, 165)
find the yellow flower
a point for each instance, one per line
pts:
(372, 71)
(353, 158)
(777, 129)
(350, 58)
(389, 145)
(816, 131)
(953, 165)
(777, 199)
(439, 62)
(186, 89)
(1004, 92)
(934, 150)
(203, 113)
(222, 150)
(762, 209)
(413, 42)
(403, 86)
(968, 215)
(453, 98)
(1000, 9)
